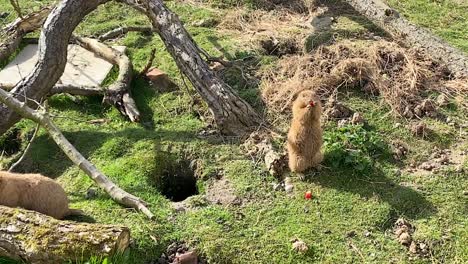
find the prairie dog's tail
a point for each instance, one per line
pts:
(75, 212)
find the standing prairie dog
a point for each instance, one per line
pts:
(305, 134)
(34, 192)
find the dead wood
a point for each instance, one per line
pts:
(52, 56)
(232, 114)
(391, 21)
(100, 179)
(149, 63)
(39, 239)
(15, 31)
(112, 34)
(118, 93)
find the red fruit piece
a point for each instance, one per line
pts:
(308, 195)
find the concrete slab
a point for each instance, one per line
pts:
(83, 68)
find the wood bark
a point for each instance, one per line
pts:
(13, 33)
(100, 179)
(39, 239)
(118, 93)
(123, 30)
(232, 114)
(391, 21)
(52, 55)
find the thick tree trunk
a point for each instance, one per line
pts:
(231, 113)
(100, 179)
(391, 21)
(52, 55)
(39, 239)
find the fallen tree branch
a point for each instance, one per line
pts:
(52, 55)
(15, 31)
(123, 30)
(118, 93)
(26, 150)
(77, 90)
(17, 8)
(149, 63)
(100, 179)
(391, 21)
(36, 238)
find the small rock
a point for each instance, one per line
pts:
(419, 129)
(289, 188)
(91, 193)
(413, 248)
(300, 246)
(404, 238)
(397, 125)
(442, 100)
(357, 119)
(367, 234)
(160, 80)
(186, 258)
(327, 231)
(322, 22)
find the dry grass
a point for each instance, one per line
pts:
(400, 75)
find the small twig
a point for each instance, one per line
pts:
(112, 34)
(356, 250)
(17, 8)
(149, 63)
(26, 150)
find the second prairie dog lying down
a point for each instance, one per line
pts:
(34, 192)
(305, 134)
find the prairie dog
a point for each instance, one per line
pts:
(305, 134)
(34, 192)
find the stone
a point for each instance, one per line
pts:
(322, 22)
(91, 193)
(300, 246)
(160, 81)
(83, 67)
(186, 258)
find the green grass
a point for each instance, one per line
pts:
(359, 189)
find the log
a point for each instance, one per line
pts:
(118, 93)
(39, 239)
(112, 34)
(232, 114)
(392, 22)
(118, 194)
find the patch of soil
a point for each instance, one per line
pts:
(222, 192)
(399, 149)
(179, 253)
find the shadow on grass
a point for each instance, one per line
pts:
(372, 182)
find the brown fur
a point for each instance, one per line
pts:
(305, 134)
(34, 192)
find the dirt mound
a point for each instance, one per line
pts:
(400, 75)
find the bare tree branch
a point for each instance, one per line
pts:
(100, 179)
(118, 93)
(391, 21)
(15, 31)
(123, 30)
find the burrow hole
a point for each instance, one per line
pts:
(176, 177)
